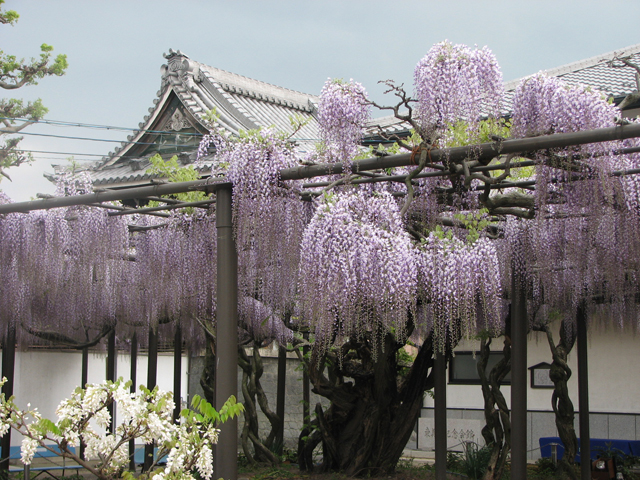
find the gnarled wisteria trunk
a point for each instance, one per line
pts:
(254, 397)
(372, 411)
(560, 400)
(497, 431)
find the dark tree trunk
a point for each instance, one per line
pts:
(208, 377)
(370, 419)
(497, 431)
(560, 400)
(254, 396)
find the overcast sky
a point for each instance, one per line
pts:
(115, 49)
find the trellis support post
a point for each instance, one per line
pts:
(519, 329)
(111, 371)
(134, 379)
(440, 414)
(583, 396)
(177, 371)
(225, 463)
(8, 371)
(152, 380)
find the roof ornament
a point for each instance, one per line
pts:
(174, 53)
(177, 122)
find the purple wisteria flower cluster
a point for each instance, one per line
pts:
(69, 271)
(61, 270)
(454, 83)
(343, 111)
(458, 284)
(261, 323)
(173, 277)
(269, 217)
(585, 245)
(357, 268)
(544, 105)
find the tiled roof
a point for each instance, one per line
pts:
(241, 103)
(596, 73)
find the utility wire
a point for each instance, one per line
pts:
(60, 153)
(125, 129)
(92, 125)
(99, 139)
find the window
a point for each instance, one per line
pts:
(463, 368)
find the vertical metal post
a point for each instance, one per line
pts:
(8, 371)
(83, 383)
(583, 396)
(306, 390)
(85, 368)
(226, 457)
(134, 374)
(152, 376)
(84, 379)
(280, 396)
(519, 328)
(111, 372)
(440, 414)
(177, 372)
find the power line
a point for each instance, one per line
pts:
(98, 126)
(125, 129)
(99, 139)
(72, 153)
(60, 153)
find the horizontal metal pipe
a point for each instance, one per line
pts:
(484, 151)
(173, 206)
(205, 185)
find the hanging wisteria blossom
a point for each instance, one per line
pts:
(269, 216)
(357, 268)
(544, 105)
(458, 283)
(260, 323)
(62, 271)
(343, 112)
(454, 83)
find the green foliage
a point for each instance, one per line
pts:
(297, 121)
(16, 73)
(472, 462)
(275, 473)
(408, 468)
(443, 234)
(210, 117)
(9, 17)
(14, 109)
(460, 134)
(174, 172)
(546, 468)
(405, 361)
(206, 414)
(475, 222)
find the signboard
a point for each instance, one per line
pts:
(458, 432)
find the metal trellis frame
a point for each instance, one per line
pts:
(226, 379)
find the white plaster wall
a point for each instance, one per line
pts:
(45, 378)
(614, 373)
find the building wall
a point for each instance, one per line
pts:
(44, 378)
(614, 389)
